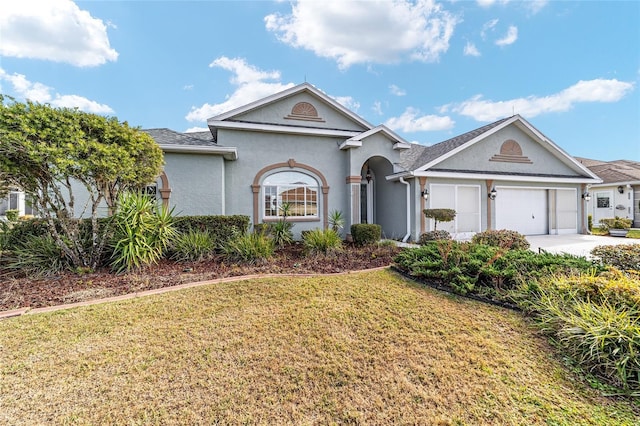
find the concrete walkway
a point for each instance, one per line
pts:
(576, 244)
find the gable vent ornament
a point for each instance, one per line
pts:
(511, 152)
(304, 111)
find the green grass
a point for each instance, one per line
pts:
(362, 348)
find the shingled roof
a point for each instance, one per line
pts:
(166, 136)
(419, 155)
(613, 171)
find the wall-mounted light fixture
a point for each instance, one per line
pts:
(492, 194)
(425, 194)
(369, 175)
(621, 189)
(586, 196)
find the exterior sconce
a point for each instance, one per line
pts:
(425, 194)
(586, 196)
(368, 176)
(492, 194)
(621, 189)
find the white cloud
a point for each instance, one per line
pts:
(488, 26)
(196, 129)
(364, 32)
(598, 90)
(486, 3)
(54, 30)
(535, 6)
(250, 87)
(509, 38)
(41, 93)
(471, 50)
(411, 121)
(347, 102)
(395, 90)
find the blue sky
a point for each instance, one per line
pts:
(428, 70)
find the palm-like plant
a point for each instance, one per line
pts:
(142, 231)
(336, 220)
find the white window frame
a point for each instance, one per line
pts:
(275, 193)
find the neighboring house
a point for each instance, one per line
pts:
(16, 200)
(302, 147)
(619, 192)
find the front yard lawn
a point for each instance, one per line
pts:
(360, 348)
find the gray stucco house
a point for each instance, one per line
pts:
(302, 147)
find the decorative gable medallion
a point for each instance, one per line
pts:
(304, 111)
(511, 152)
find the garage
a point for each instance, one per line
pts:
(522, 209)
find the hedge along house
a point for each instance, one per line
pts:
(302, 148)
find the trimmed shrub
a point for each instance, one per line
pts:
(590, 222)
(615, 223)
(623, 256)
(433, 236)
(220, 228)
(482, 269)
(439, 215)
(250, 248)
(193, 246)
(502, 238)
(366, 233)
(319, 241)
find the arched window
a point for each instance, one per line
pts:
(298, 190)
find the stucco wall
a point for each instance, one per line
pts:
(196, 182)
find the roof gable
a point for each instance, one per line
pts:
(295, 109)
(356, 141)
(436, 156)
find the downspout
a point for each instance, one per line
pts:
(406, 237)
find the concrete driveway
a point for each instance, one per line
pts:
(576, 244)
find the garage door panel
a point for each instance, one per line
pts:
(523, 210)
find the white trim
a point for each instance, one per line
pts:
(502, 177)
(399, 143)
(348, 144)
(228, 152)
(277, 128)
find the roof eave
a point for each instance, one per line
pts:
(227, 152)
(276, 128)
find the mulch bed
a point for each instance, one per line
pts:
(70, 287)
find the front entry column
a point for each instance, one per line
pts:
(354, 199)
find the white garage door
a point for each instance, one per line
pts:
(523, 210)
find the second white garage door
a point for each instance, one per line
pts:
(523, 210)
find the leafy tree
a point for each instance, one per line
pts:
(57, 155)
